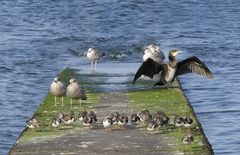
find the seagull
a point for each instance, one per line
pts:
(75, 91)
(57, 89)
(94, 55)
(171, 69)
(153, 52)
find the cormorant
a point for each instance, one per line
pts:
(171, 69)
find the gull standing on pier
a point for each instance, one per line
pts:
(75, 91)
(57, 89)
(94, 55)
(153, 52)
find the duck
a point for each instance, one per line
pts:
(161, 118)
(57, 89)
(90, 119)
(94, 55)
(153, 51)
(93, 116)
(152, 125)
(56, 121)
(144, 116)
(187, 139)
(172, 69)
(134, 119)
(68, 119)
(32, 123)
(187, 121)
(178, 121)
(107, 123)
(115, 117)
(60, 115)
(75, 91)
(122, 120)
(82, 114)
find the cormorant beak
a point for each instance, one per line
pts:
(179, 52)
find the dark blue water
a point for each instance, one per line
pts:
(40, 37)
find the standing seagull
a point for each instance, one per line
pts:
(75, 91)
(153, 52)
(57, 89)
(94, 55)
(171, 69)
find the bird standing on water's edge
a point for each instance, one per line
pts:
(171, 69)
(94, 55)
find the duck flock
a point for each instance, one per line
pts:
(153, 64)
(116, 121)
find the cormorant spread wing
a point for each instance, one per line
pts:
(193, 65)
(148, 68)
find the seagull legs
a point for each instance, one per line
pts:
(62, 101)
(91, 65)
(55, 101)
(71, 103)
(95, 65)
(80, 103)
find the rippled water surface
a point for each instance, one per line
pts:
(38, 38)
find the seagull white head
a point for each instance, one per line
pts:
(152, 48)
(72, 80)
(90, 50)
(56, 79)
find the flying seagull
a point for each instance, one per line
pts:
(171, 69)
(94, 55)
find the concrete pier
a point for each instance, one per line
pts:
(108, 91)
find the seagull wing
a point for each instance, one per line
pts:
(99, 54)
(193, 65)
(148, 68)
